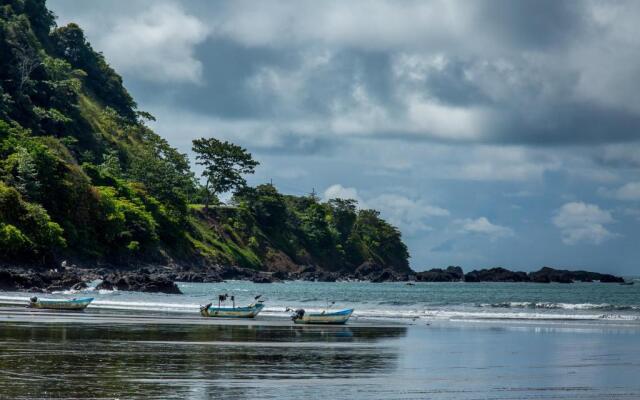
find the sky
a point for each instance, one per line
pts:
(491, 133)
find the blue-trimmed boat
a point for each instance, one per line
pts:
(250, 311)
(73, 304)
(338, 317)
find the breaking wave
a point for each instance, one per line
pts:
(562, 306)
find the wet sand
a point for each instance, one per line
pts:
(111, 355)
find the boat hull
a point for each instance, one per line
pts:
(325, 318)
(232, 312)
(74, 305)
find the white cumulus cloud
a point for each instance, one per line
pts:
(338, 191)
(483, 226)
(410, 215)
(583, 223)
(157, 44)
(630, 191)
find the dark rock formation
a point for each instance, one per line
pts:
(141, 281)
(206, 276)
(498, 274)
(313, 274)
(451, 274)
(326, 277)
(368, 270)
(47, 281)
(281, 275)
(386, 276)
(547, 274)
(233, 272)
(262, 279)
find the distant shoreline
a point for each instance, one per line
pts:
(162, 279)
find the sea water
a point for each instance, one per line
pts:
(431, 340)
(110, 355)
(391, 301)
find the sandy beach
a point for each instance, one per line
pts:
(107, 354)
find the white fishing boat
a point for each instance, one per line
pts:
(72, 304)
(221, 311)
(325, 317)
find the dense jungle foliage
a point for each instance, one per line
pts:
(83, 177)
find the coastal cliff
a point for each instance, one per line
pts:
(87, 188)
(84, 179)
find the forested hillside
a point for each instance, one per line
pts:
(83, 178)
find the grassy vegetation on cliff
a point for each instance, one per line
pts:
(83, 177)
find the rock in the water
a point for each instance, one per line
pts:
(498, 274)
(197, 277)
(139, 282)
(451, 274)
(390, 275)
(79, 286)
(262, 279)
(326, 277)
(548, 274)
(233, 272)
(38, 281)
(281, 275)
(368, 270)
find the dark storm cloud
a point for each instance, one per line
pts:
(414, 103)
(526, 72)
(449, 85)
(534, 25)
(569, 124)
(226, 68)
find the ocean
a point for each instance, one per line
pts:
(392, 301)
(427, 341)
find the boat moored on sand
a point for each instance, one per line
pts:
(250, 311)
(72, 304)
(338, 317)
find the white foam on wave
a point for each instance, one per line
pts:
(514, 310)
(88, 290)
(561, 306)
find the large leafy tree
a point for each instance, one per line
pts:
(343, 217)
(224, 166)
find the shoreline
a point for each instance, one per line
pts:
(237, 362)
(165, 356)
(16, 314)
(164, 279)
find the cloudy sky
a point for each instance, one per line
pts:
(491, 133)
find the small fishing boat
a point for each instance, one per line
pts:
(326, 317)
(73, 304)
(232, 312)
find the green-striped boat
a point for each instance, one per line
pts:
(250, 311)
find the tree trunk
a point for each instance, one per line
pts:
(208, 197)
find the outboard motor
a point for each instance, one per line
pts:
(297, 314)
(204, 310)
(32, 302)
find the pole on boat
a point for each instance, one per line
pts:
(222, 298)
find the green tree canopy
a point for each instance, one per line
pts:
(224, 164)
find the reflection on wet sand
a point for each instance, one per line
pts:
(115, 355)
(173, 361)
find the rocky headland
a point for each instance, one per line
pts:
(162, 279)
